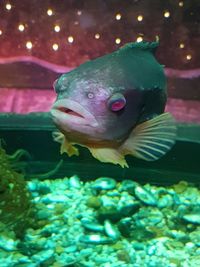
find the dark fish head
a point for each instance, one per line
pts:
(102, 100)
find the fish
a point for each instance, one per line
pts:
(114, 106)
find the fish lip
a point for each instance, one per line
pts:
(86, 118)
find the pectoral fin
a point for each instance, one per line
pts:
(110, 155)
(152, 139)
(66, 146)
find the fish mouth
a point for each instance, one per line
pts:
(71, 112)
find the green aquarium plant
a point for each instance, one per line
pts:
(15, 200)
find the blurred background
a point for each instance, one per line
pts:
(39, 40)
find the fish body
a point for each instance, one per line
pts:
(103, 103)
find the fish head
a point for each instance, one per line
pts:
(87, 109)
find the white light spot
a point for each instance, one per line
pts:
(55, 47)
(1, 32)
(49, 12)
(166, 14)
(117, 40)
(79, 12)
(139, 39)
(57, 28)
(70, 39)
(29, 45)
(94, 238)
(97, 36)
(118, 16)
(181, 45)
(180, 3)
(189, 57)
(21, 27)
(140, 18)
(8, 6)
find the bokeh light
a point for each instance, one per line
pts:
(166, 14)
(70, 39)
(118, 16)
(55, 47)
(189, 57)
(97, 36)
(49, 12)
(56, 28)
(21, 27)
(8, 6)
(29, 45)
(180, 3)
(117, 40)
(139, 39)
(140, 18)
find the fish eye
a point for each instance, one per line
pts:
(116, 102)
(90, 95)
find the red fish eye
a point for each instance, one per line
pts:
(117, 102)
(118, 105)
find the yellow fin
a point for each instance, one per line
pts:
(66, 146)
(152, 139)
(110, 155)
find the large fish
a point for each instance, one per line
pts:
(114, 105)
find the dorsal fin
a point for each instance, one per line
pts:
(150, 46)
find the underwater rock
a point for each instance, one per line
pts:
(148, 216)
(74, 182)
(43, 214)
(195, 237)
(109, 212)
(94, 202)
(124, 226)
(180, 187)
(113, 193)
(96, 239)
(178, 235)
(192, 218)
(109, 201)
(128, 186)
(48, 199)
(66, 261)
(138, 245)
(145, 196)
(124, 256)
(111, 230)
(129, 208)
(32, 185)
(165, 201)
(44, 189)
(92, 226)
(44, 256)
(8, 244)
(141, 234)
(104, 183)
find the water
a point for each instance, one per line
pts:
(55, 211)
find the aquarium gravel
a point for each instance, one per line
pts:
(107, 223)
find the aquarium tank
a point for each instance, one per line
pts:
(99, 133)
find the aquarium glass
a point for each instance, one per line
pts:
(89, 207)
